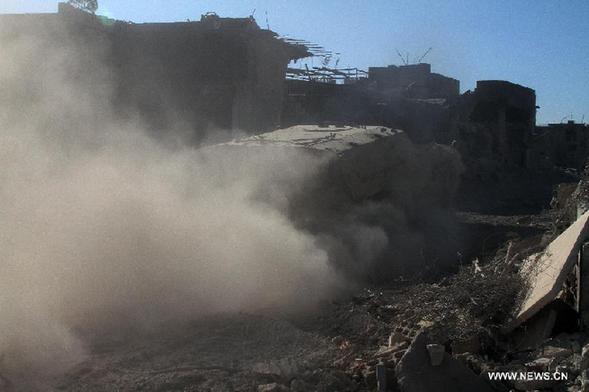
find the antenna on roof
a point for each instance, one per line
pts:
(402, 58)
(253, 13)
(425, 54)
(267, 24)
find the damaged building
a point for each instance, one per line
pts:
(198, 79)
(562, 145)
(412, 81)
(441, 202)
(409, 97)
(493, 127)
(213, 74)
(495, 123)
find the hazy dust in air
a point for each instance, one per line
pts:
(105, 228)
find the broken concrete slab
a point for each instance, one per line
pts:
(365, 160)
(416, 374)
(547, 271)
(331, 138)
(583, 289)
(361, 157)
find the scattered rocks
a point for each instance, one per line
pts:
(416, 374)
(467, 345)
(585, 357)
(556, 352)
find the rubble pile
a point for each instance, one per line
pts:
(451, 334)
(410, 335)
(378, 336)
(463, 313)
(380, 204)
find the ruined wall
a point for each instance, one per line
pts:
(202, 77)
(494, 127)
(413, 81)
(172, 72)
(259, 100)
(407, 97)
(563, 145)
(506, 112)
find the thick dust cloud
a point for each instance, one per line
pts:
(104, 228)
(107, 228)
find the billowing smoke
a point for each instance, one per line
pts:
(105, 228)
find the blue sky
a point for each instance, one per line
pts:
(541, 44)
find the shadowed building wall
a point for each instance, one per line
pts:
(217, 73)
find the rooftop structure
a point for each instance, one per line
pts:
(413, 81)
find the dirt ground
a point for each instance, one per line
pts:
(223, 353)
(335, 349)
(338, 347)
